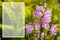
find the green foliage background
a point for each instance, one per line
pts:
(54, 5)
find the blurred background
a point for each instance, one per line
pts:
(54, 5)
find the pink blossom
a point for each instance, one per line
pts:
(47, 12)
(37, 25)
(46, 26)
(38, 14)
(38, 35)
(29, 28)
(42, 36)
(47, 16)
(53, 30)
(40, 8)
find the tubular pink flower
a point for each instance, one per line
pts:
(47, 16)
(38, 14)
(29, 28)
(46, 26)
(40, 8)
(53, 30)
(47, 12)
(37, 25)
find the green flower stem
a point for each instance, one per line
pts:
(41, 29)
(35, 38)
(27, 38)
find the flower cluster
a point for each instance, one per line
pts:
(45, 19)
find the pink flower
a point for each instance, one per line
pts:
(47, 16)
(40, 8)
(42, 36)
(39, 36)
(29, 28)
(37, 25)
(38, 14)
(47, 12)
(53, 30)
(46, 26)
